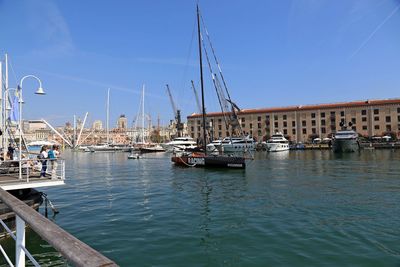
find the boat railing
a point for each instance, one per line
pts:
(31, 169)
(72, 249)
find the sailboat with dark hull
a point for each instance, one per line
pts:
(202, 159)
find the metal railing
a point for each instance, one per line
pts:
(73, 250)
(32, 168)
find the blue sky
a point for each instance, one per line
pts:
(273, 53)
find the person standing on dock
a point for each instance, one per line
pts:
(53, 154)
(43, 159)
(11, 150)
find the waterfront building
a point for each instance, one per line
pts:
(304, 123)
(97, 125)
(122, 122)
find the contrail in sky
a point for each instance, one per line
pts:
(375, 31)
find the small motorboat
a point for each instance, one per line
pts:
(134, 156)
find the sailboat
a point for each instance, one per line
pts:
(107, 147)
(144, 146)
(203, 159)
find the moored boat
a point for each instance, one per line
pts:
(345, 140)
(211, 161)
(277, 143)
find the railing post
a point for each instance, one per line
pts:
(19, 252)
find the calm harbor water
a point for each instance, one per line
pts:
(298, 208)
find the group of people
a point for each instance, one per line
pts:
(49, 154)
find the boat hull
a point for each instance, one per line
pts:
(232, 148)
(210, 161)
(277, 147)
(151, 150)
(346, 145)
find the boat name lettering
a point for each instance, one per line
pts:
(198, 161)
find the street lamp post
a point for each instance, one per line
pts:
(39, 91)
(6, 107)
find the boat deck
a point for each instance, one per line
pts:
(11, 181)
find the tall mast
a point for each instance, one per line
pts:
(108, 115)
(202, 83)
(143, 115)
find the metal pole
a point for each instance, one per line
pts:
(20, 242)
(108, 116)
(74, 133)
(143, 116)
(5, 110)
(202, 83)
(1, 104)
(20, 132)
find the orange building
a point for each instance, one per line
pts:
(302, 123)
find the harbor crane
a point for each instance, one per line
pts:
(177, 114)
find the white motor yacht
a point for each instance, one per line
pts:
(237, 144)
(345, 140)
(277, 142)
(180, 143)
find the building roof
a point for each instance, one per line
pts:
(351, 104)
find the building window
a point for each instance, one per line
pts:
(259, 133)
(376, 118)
(353, 120)
(285, 117)
(332, 113)
(293, 124)
(276, 124)
(365, 127)
(364, 112)
(323, 130)
(398, 110)
(304, 131)
(398, 118)
(259, 118)
(285, 131)
(285, 124)
(219, 127)
(219, 120)
(259, 125)
(354, 128)
(219, 134)
(388, 128)
(294, 131)
(267, 117)
(342, 113)
(276, 117)
(198, 128)
(313, 123)
(376, 111)
(192, 135)
(312, 115)
(251, 126)
(267, 122)
(333, 128)
(388, 119)
(304, 123)
(376, 127)
(243, 125)
(322, 114)
(192, 129)
(364, 118)
(323, 122)
(314, 131)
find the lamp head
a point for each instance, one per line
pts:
(40, 91)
